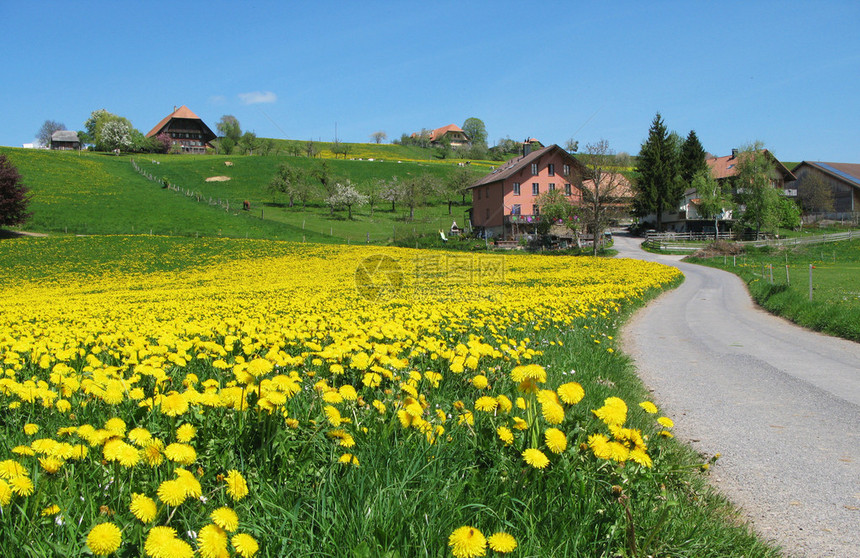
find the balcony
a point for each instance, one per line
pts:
(520, 219)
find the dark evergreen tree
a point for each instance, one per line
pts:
(658, 187)
(13, 195)
(692, 158)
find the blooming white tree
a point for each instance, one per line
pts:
(116, 135)
(346, 195)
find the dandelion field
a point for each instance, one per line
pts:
(173, 397)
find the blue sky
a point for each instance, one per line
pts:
(784, 73)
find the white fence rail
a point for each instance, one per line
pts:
(685, 242)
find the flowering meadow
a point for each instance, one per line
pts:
(177, 397)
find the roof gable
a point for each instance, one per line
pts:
(845, 172)
(181, 112)
(65, 135)
(725, 167)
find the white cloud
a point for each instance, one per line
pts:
(256, 97)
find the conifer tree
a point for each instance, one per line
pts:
(692, 158)
(658, 188)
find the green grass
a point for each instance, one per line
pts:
(95, 193)
(835, 304)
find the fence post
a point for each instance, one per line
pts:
(770, 267)
(787, 277)
(734, 261)
(810, 281)
(368, 239)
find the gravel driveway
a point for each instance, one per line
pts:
(780, 403)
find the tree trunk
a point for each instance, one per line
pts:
(449, 206)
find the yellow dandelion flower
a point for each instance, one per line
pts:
(649, 407)
(534, 372)
(143, 507)
(237, 488)
(245, 545)
(116, 426)
(666, 434)
(614, 411)
(520, 424)
(104, 539)
(183, 454)
(50, 510)
(502, 542)
(556, 440)
(212, 542)
(348, 459)
(505, 404)
(333, 397)
(536, 458)
(521, 403)
(5, 493)
(486, 404)
(480, 381)
(189, 482)
(348, 392)
(172, 492)
(552, 412)
(571, 393)
(505, 435)
(467, 542)
(665, 422)
(185, 433)
(153, 453)
(161, 542)
(51, 464)
(379, 406)
(333, 415)
(259, 367)
(30, 429)
(174, 404)
(22, 486)
(226, 519)
(23, 450)
(641, 457)
(139, 437)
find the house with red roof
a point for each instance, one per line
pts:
(187, 132)
(843, 179)
(687, 218)
(455, 136)
(505, 201)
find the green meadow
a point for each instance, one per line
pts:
(778, 280)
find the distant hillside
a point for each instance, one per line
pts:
(96, 193)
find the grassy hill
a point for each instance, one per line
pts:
(96, 193)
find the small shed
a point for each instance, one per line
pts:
(64, 140)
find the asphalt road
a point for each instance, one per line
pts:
(781, 404)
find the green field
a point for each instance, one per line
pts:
(96, 193)
(835, 304)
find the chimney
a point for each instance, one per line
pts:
(527, 147)
(734, 153)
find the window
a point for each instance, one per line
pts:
(567, 189)
(534, 169)
(567, 170)
(535, 188)
(551, 169)
(516, 209)
(535, 209)
(551, 186)
(516, 188)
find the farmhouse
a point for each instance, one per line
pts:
(505, 200)
(687, 218)
(842, 178)
(65, 140)
(455, 136)
(188, 133)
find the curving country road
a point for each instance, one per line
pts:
(780, 403)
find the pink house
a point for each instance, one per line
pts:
(505, 200)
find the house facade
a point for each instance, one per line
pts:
(843, 179)
(64, 140)
(187, 132)
(505, 201)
